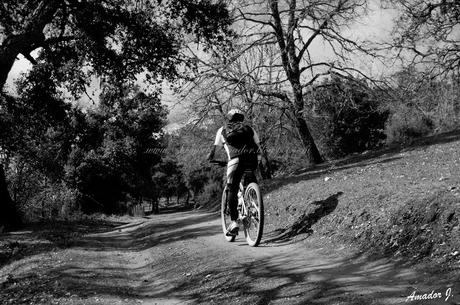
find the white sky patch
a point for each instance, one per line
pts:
(21, 65)
(90, 100)
(375, 27)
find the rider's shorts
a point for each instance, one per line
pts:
(236, 167)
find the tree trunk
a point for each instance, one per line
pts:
(9, 214)
(290, 61)
(27, 40)
(311, 151)
(187, 200)
(156, 209)
(267, 168)
(12, 47)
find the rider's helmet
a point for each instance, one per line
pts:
(235, 115)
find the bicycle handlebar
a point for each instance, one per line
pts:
(219, 162)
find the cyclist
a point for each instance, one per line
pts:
(241, 144)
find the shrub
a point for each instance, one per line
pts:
(37, 196)
(286, 156)
(406, 124)
(53, 201)
(421, 104)
(347, 118)
(211, 195)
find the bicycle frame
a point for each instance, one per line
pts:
(243, 210)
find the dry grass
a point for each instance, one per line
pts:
(400, 201)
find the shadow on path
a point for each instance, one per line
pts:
(308, 218)
(287, 278)
(302, 278)
(282, 275)
(153, 232)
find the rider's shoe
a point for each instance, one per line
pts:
(232, 229)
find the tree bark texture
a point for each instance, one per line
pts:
(9, 215)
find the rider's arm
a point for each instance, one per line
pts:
(217, 142)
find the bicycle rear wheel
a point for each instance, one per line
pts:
(254, 220)
(225, 216)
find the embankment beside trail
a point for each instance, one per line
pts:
(401, 202)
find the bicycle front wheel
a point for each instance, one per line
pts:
(225, 216)
(254, 218)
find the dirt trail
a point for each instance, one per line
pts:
(182, 258)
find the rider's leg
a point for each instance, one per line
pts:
(234, 174)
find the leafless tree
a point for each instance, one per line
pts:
(292, 30)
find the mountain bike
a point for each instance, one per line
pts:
(250, 211)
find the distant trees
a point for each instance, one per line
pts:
(420, 104)
(80, 40)
(189, 146)
(169, 179)
(36, 134)
(110, 160)
(54, 148)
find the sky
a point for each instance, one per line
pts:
(21, 65)
(377, 25)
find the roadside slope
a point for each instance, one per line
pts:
(397, 202)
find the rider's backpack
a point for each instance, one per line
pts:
(238, 135)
